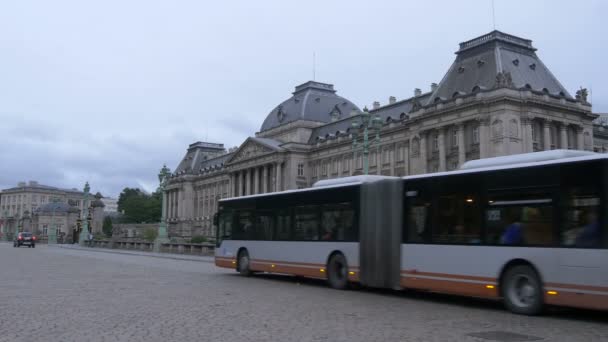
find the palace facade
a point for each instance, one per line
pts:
(497, 98)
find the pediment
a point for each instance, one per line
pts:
(250, 149)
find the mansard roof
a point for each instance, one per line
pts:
(397, 111)
(497, 60)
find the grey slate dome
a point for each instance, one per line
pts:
(311, 101)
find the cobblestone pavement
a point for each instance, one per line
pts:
(56, 294)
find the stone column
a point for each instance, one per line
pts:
(406, 157)
(423, 159)
(441, 143)
(279, 171)
(247, 177)
(264, 179)
(256, 180)
(462, 152)
(392, 156)
(526, 133)
(563, 136)
(242, 183)
(484, 138)
(580, 142)
(547, 135)
(165, 204)
(230, 184)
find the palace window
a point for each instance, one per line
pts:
(475, 135)
(300, 169)
(435, 142)
(454, 136)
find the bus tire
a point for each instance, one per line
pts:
(243, 263)
(337, 272)
(522, 290)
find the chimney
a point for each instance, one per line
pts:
(434, 86)
(417, 92)
(376, 105)
(392, 100)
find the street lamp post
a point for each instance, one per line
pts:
(82, 239)
(365, 125)
(162, 236)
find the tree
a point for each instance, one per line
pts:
(138, 206)
(107, 226)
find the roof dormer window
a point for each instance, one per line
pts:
(516, 62)
(533, 66)
(460, 69)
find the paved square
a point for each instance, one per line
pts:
(56, 294)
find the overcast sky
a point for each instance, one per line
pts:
(107, 91)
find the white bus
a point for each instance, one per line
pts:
(530, 229)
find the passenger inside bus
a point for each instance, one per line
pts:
(513, 234)
(589, 235)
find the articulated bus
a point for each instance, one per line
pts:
(528, 229)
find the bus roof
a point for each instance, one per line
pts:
(351, 180)
(518, 161)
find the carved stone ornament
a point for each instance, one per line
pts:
(415, 106)
(250, 150)
(335, 114)
(582, 94)
(503, 80)
(281, 114)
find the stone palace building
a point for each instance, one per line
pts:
(498, 98)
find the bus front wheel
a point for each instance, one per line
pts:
(337, 272)
(522, 290)
(243, 263)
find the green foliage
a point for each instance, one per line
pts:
(198, 239)
(139, 207)
(150, 234)
(99, 236)
(107, 226)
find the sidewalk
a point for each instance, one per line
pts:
(173, 256)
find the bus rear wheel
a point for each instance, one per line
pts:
(242, 265)
(337, 272)
(522, 290)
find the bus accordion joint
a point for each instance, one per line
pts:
(553, 293)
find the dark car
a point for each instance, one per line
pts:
(25, 238)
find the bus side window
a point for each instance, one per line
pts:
(264, 226)
(337, 222)
(581, 224)
(244, 229)
(522, 219)
(417, 222)
(306, 223)
(225, 226)
(283, 231)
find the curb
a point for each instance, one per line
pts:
(208, 259)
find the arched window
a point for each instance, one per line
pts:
(497, 129)
(415, 146)
(475, 134)
(475, 89)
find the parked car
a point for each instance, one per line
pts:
(25, 238)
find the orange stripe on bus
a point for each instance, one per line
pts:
(449, 286)
(447, 275)
(578, 287)
(579, 300)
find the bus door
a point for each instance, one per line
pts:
(381, 217)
